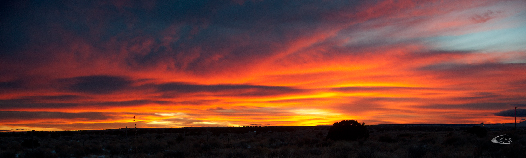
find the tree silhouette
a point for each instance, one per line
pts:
(348, 130)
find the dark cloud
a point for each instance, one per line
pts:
(436, 54)
(11, 85)
(486, 16)
(376, 89)
(363, 105)
(477, 74)
(518, 105)
(298, 100)
(283, 14)
(128, 103)
(467, 106)
(37, 102)
(225, 33)
(85, 126)
(197, 37)
(520, 82)
(25, 115)
(511, 113)
(469, 69)
(478, 96)
(97, 84)
(55, 98)
(238, 90)
(29, 103)
(12, 29)
(197, 102)
(253, 112)
(22, 83)
(61, 101)
(214, 109)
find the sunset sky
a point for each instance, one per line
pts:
(71, 65)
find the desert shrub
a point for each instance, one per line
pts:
(347, 130)
(30, 143)
(41, 153)
(477, 130)
(417, 151)
(258, 150)
(319, 135)
(512, 151)
(150, 147)
(63, 150)
(78, 150)
(452, 140)
(179, 138)
(93, 148)
(12, 146)
(118, 149)
(427, 140)
(8, 154)
(365, 153)
(386, 139)
(171, 142)
(276, 143)
(159, 136)
(306, 141)
(405, 135)
(315, 151)
(326, 143)
(486, 149)
(237, 153)
(173, 154)
(285, 152)
(521, 140)
(340, 151)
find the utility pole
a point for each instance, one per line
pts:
(135, 141)
(515, 117)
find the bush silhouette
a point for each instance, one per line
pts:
(348, 130)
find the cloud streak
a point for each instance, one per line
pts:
(97, 84)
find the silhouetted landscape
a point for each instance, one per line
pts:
(389, 140)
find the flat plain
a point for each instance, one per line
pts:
(383, 141)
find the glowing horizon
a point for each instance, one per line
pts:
(95, 65)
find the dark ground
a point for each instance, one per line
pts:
(384, 141)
